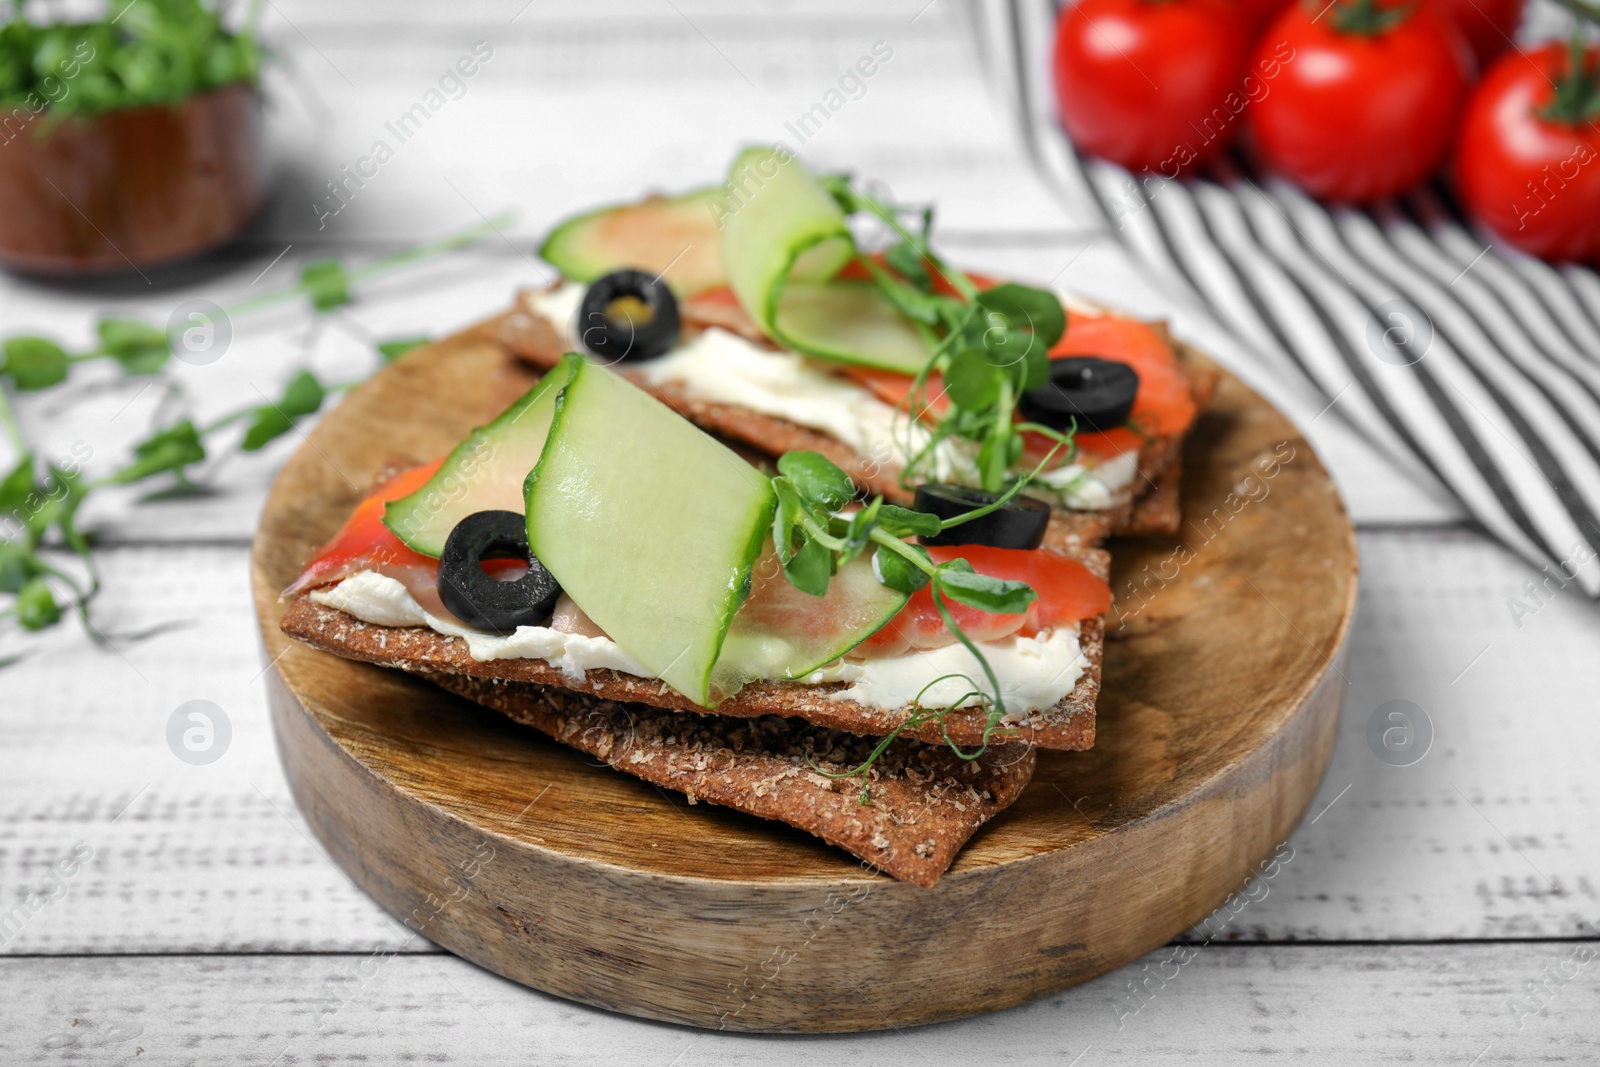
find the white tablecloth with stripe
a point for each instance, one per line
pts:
(1471, 366)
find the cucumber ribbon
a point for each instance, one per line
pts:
(784, 240)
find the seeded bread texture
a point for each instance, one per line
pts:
(1067, 725)
(924, 802)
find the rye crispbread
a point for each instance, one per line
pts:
(1067, 725)
(924, 801)
(537, 341)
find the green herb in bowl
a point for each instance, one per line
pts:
(128, 141)
(143, 52)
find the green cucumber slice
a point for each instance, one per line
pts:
(851, 322)
(782, 632)
(650, 525)
(775, 214)
(674, 236)
(483, 473)
(784, 237)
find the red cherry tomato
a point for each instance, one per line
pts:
(1258, 13)
(1488, 25)
(1151, 84)
(1532, 179)
(1359, 113)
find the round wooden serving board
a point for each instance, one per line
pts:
(1216, 721)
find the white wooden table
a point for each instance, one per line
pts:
(1442, 912)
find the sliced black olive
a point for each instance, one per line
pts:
(487, 603)
(1097, 393)
(1020, 524)
(629, 314)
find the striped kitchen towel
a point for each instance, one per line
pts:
(1475, 366)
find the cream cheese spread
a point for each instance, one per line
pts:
(1034, 672)
(722, 367)
(383, 601)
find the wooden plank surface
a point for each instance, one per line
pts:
(1358, 1005)
(524, 130)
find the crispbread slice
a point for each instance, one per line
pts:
(1067, 725)
(539, 342)
(1159, 510)
(925, 802)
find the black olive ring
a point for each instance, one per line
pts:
(1019, 524)
(1096, 394)
(481, 601)
(618, 338)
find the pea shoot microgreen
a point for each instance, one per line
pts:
(141, 52)
(820, 525)
(39, 501)
(993, 346)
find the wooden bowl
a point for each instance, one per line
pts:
(130, 189)
(1222, 690)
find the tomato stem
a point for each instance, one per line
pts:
(1368, 18)
(1576, 100)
